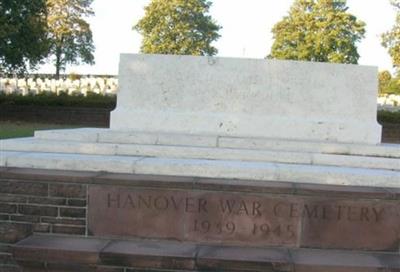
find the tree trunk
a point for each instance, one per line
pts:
(58, 62)
(59, 47)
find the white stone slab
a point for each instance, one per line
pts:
(247, 98)
(132, 137)
(149, 138)
(77, 134)
(356, 161)
(270, 171)
(339, 175)
(207, 168)
(127, 137)
(56, 146)
(75, 162)
(4, 155)
(213, 153)
(380, 150)
(210, 153)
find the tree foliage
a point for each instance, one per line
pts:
(384, 80)
(391, 39)
(318, 30)
(23, 34)
(180, 27)
(70, 35)
(388, 84)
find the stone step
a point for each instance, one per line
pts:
(78, 253)
(233, 169)
(130, 137)
(208, 153)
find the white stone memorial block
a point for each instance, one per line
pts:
(247, 98)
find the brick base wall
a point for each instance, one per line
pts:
(28, 207)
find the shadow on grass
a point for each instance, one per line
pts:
(16, 129)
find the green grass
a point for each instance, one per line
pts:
(18, 129)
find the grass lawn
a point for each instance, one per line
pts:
(15, 129)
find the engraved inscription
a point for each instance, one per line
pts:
(219, 227)
(156, 202)
(329, 212)
(245, 208)
(278, 230)
(239, 218)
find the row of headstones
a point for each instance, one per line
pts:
(25, 86)
(389, 100)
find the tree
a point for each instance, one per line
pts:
(393, 86)
(70, 35)
(23, 34)
(391, 39)
(318, 30)
(180, 27)
(384, 80)
(388, 84)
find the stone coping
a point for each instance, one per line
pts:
(157, 254)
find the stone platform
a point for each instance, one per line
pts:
(206, 156)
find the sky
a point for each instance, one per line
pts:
(246, 30)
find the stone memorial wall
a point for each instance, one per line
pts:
(247, 98)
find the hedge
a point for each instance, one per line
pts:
(389, 117)
(92, 100)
